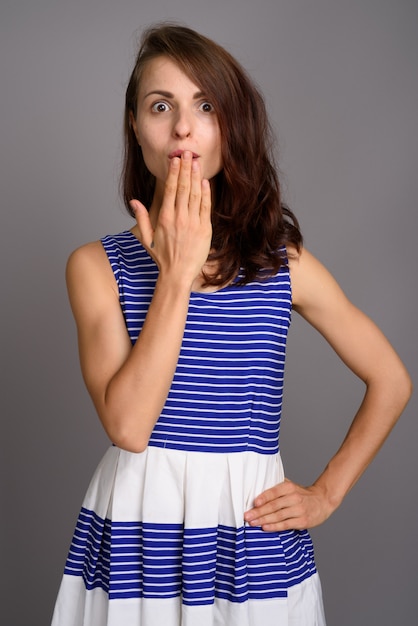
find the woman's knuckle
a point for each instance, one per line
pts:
(182, 188)
(170, 187)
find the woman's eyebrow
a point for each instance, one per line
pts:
(168, 94)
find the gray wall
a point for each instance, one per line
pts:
(340, 78)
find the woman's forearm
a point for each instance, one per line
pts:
(136, 394)
(382, 405)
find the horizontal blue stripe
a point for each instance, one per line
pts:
(142, 560)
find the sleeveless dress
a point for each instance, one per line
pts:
(161, 539)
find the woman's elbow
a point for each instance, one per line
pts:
(127, 436)
(402, 386)
(129, 443)
(408, 387)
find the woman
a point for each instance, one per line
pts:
(182, 325)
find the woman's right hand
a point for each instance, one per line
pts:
(181, 240)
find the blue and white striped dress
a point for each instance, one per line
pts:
(161, 539)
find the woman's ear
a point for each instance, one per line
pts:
(132, 122)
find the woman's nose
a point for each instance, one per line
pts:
(182, 125)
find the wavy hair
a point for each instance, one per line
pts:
(251, 225)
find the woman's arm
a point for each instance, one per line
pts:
(129, 385)
(366, 351)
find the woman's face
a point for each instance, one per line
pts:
(173, 115)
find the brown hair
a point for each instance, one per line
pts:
(251, 226)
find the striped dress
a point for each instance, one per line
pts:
(161, 539)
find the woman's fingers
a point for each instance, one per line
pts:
(184, 184)
(195, 197)
(185, 193)
(206, 201)
(182, 236)
(171, 184)
(183, 188)
(288, 506)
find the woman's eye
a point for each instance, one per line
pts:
(206, 107)
(160, 107)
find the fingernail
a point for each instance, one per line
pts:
(187, 155)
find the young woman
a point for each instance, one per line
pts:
(182, 325)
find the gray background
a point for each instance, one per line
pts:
(340, 79)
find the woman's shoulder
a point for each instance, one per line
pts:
(312, 282)
(86, 255)
(88, 265)
(98, 252)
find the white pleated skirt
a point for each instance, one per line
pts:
(161, 541)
